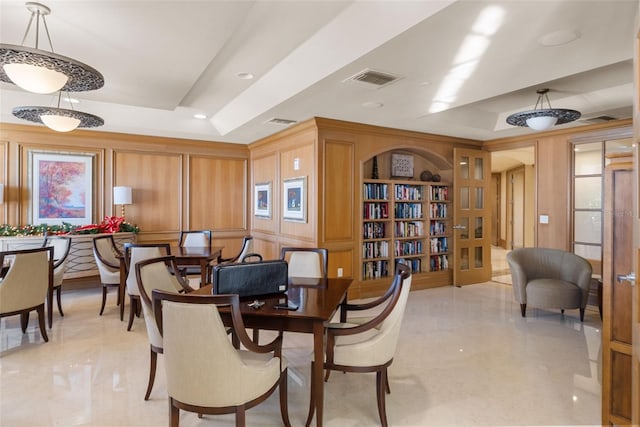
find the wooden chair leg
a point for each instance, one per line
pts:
(523, 309)
(240, 416)
(256, 335)
(41, 322)
(152, 372)
(121, 307)
(104, 298)
(582, 314)
(58, 291)
(24, 321)
(284, 406)
(174, 414)
(381, 379)
(132, 311)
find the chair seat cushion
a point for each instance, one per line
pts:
(553, 293)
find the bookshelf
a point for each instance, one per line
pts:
(405, 222)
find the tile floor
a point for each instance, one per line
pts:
(465, 358)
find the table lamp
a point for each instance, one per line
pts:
(122, 196)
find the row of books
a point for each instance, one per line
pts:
(439, 244)
(375, 249)
(409, 247)
(415, 264)
(375, 269)
(437, 227)
(437, 210)
(439, 192)
(409, 228)
(408, 192)
(376, 210)
(439, 262)
(376, 192)
(408, 210)
(373, 230)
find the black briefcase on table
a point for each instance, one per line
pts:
(251, 279)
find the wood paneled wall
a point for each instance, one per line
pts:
(177, 184)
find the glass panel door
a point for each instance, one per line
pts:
(472, 246)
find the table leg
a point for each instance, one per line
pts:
(122, 287)
(318, 357)
(203, 272)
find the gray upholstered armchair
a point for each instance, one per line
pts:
(549, 278)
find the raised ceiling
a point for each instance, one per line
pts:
(462, 66)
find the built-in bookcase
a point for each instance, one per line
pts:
(404, 222)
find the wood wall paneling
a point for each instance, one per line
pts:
(265, 170)
(338, 193)
(217, 196)
(156, 185)
(304, 157)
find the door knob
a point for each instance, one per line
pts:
(631, 278)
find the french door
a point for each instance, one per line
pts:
(471, 216)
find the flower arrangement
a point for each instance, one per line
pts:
(110, 224)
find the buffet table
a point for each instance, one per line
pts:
(81, 262)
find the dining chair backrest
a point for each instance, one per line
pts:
(194, 335)
(61, 247)
(306, 262)
(106, 253)
(136, 252)
(26, 282)
(155, 273)
(199, 238)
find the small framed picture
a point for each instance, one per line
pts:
(262, 198)
(402, 165)
(295, 199)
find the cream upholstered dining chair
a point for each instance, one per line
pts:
(61, 247)
(156, 273)
(26, 284)
(194, 238)
(107, 256)
(549, 278)
(199, 238)
(134, 253)
(306, 262)
(370, 346)
(205, 373)
(245, 249)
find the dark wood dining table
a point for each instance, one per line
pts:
(185, 255)
(317, 299)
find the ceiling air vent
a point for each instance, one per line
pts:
(372, 78)
(281, 122)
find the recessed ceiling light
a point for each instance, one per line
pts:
(244, 76)
(200, 116)
(559, 38)
(372, 104)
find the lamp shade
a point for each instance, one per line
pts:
(35, 79)
(122, 196)
(60, 123)
(541, 122)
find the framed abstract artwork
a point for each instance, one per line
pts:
(262, 198)
(61, 187)
(295, 199)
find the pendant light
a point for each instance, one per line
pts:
(543, 118)
(58, 119)
(40, 71)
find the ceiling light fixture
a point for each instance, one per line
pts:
(543, 118)
(58, 119)
(40, 71)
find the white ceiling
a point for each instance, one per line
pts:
(464, 65)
